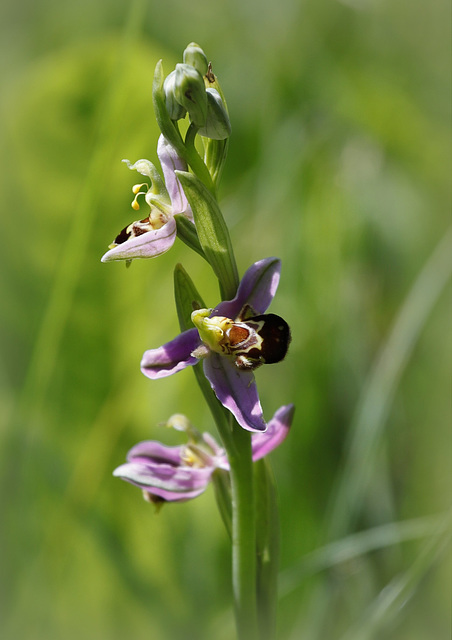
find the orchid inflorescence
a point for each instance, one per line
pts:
(224, 343)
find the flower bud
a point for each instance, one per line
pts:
(195, 56)
(190, 92)
(175, 110)
(181, 423)
(218, 126)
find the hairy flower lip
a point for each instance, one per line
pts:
(235, 388)
(163, 474)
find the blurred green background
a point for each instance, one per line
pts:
(339, 163)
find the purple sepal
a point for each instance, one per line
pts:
(170, 162)
(236, 390)
(277, 431)
(172, 356)
(257, 289)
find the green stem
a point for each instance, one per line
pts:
(237, 443)
(195, 161)
(243, 535)
(216, 244)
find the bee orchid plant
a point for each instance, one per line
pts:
(223, 344)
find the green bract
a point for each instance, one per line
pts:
(212, 232)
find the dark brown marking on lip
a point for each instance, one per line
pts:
(275, 334)
(123, 235)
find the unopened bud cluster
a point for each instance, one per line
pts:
(193, 89)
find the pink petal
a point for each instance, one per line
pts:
(277, 431)
(257, 289)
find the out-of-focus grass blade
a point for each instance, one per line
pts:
(355, 545)
(44, 355)
(393, 596)
(372, 411)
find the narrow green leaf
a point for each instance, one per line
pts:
(222, 487)
(212, 232)
(186, 296)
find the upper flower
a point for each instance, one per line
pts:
(155, 234)
(179, 473)
(232, 340)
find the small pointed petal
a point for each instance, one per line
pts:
(147, 245)
(171, 161)
(257, 289)
(172, 356)
(236, 390)
(277, 431)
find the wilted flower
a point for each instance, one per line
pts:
(156, 233)
(176, 474)
(231, 340)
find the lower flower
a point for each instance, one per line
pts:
(177, 474)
